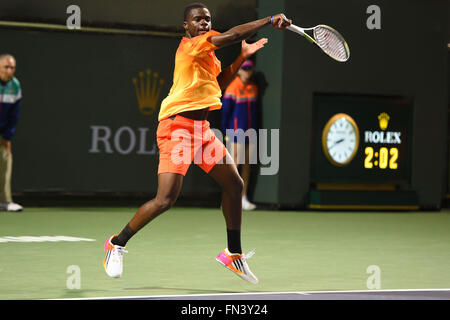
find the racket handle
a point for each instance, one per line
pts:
(296, 29)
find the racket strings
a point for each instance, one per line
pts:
(331, 43)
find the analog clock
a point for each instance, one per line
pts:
(340, 139)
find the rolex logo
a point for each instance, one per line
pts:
(383, 120)
(148, 89)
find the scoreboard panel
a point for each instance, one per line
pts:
(362, 139)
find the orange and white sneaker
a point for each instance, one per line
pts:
(113, 262)
(237, 263)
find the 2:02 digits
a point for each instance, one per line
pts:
(383, 159)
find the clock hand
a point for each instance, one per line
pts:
(337, 142)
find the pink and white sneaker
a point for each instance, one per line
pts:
(237, 263)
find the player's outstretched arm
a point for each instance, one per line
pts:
(247, 50)
(245, 31)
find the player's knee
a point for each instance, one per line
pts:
(237, 186)
(240, 185)
(165, 203)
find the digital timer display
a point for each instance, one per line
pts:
(380, 152)
(384, 158)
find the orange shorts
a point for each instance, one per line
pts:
(182, 141)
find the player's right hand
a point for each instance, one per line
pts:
(280, 21)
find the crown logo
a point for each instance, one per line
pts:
(383, 120)
(148, 90)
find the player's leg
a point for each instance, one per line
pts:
(227, 176)
(170, 180)
(169, 186)
(170, 176)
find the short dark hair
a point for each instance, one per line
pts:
(191, 6)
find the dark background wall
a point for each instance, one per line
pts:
(73, 81)
(149, 13)
(402, 58)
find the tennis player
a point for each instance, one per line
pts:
(184, 134)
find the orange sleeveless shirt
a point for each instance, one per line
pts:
(195, 83)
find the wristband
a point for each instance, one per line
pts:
(271, 20)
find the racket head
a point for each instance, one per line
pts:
(331, 42)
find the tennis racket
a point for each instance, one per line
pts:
(326, 38)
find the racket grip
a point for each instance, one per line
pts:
(296, 29)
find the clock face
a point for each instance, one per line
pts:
(340, 139)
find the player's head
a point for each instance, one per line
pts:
(245, 72)
(197, 20)
(7, 67)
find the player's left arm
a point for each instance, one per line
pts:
(247, 50)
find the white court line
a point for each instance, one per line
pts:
(188, 295)
(377, 290)
(29, 239)
(256, 293)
